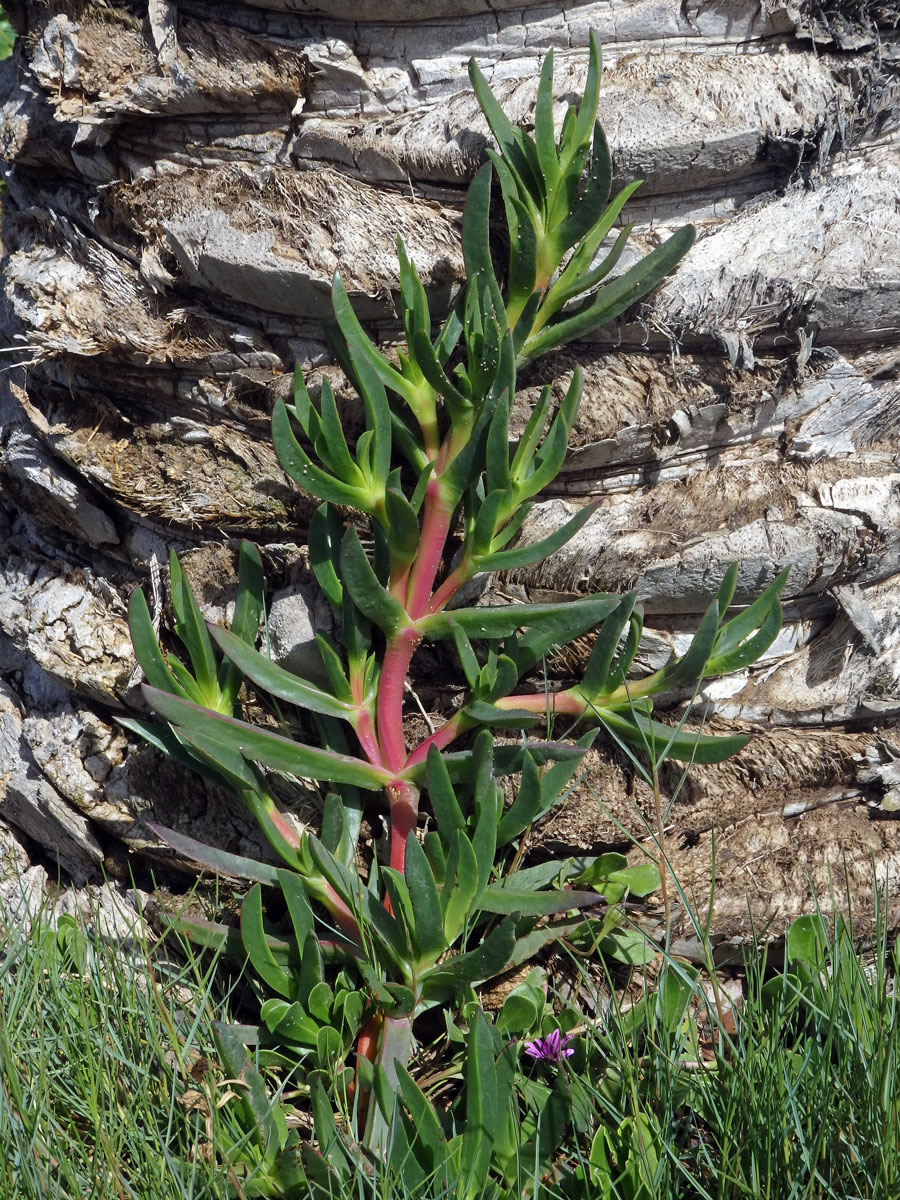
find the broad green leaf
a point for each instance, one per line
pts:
(628, 946)
(400, 901)
(726, 590)
(640, 880)
(519, 1012)
(675, 990)
(806, 941)
(265, 747)
(290, 1021)
(301, 468)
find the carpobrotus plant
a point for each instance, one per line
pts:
(367, 946)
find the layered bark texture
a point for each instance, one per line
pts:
(184, 179)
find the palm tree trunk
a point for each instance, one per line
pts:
(184, 179)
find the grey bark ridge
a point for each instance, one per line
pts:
(183, 183)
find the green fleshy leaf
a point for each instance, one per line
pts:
(444, 803)
(403, 527)
(563, 623)
(220, 861)
(527, 804)
(535, 552)
(480, 1075)
(598, 674)
(324, 541)
(357, 338)
(550, 622)
(498, 899)
(277, 681)
(590, 207)
(476, 237)
(373, 600)
(460, 886)
(657, 739)
(734, 644)
(191, 628)
(428, 920)
(254, 938)
(301, 468)
(332, 447)
(267, 748)
(146, 647)
(248, 609)
(264, 1114)
(613, 299)
(297, 902)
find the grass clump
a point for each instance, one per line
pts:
(106, 1090)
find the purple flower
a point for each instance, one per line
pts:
(553, 1048)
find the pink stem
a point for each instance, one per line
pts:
(343, 917)
(365, 732)
(404, 801)
(390, 697)
(442, 737)
(450, 586)
(567, 703)
(435, 527)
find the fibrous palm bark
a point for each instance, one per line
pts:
(183, 180)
